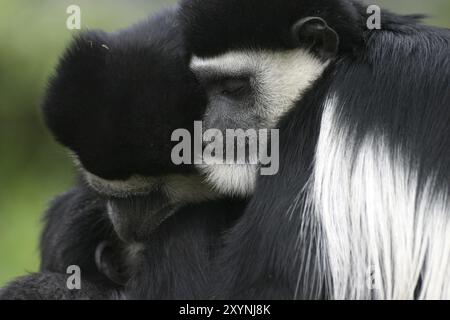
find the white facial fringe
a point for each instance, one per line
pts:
(383, 237)
(280, 78)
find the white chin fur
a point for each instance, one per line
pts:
(231, 179)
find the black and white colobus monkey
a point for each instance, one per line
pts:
(360, 207)
(151, 229)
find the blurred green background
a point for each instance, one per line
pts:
(33, 168)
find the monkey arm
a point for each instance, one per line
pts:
(53, 286)
(76, 227)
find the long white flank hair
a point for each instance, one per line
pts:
(383, 235)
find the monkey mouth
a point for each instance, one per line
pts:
(136, 218)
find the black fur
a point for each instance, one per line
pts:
(215, 26)
(75, 224)
(116, 98)
(174, 262)
(52, 286)
(394, 81)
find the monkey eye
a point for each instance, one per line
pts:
(234, 86)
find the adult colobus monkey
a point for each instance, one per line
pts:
(362, 195)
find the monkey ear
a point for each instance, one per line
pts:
(106, 260)
(318, 35)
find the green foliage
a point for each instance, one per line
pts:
(437, 11)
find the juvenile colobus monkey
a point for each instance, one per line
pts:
(360, 208)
